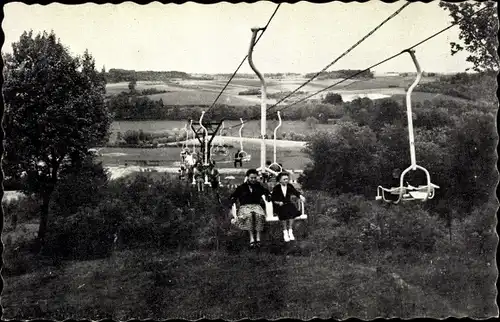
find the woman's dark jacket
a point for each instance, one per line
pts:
(243, 194)
(277, 194)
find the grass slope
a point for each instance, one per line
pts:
(278, 282)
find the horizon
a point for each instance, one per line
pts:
(207, 39)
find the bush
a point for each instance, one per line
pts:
(21, 210)
(79, 186)
(251, 91)
(333, 154)
(139, 213)
(350, 225)
(332, 98)
(87, 234)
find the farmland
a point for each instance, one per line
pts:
(250, 129)
(204, 92)
(291, 158)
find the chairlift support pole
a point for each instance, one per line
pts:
(263, 99)
(205, 135)
(185, 144)
(205, 141)
(275, 131)
(190, 127)
(409, 111)
(240, 132)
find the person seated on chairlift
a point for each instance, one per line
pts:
(213, 175)
(266, 176)
(238, 159)
(188, 159)
(251, 215)
(283, 206)
(198, 171)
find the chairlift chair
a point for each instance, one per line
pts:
(274, 149)
(220, 149)
(244, 156)
(409, 192)
(270, 216)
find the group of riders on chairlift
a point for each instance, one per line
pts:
(251, 194)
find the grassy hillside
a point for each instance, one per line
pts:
(204, 92)
(334, 270)
(156, 284)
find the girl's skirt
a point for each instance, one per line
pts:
(287, 211)
(251, 217)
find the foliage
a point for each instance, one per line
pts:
(311, 122)
(123, 75)
(54, 111)
(477, 31)
(131, 85)
(250, 91)
(332, 98)
(79, 186)
(333, 154)
(138, 213)
(21, 210)
(280, 95)
(478, 87)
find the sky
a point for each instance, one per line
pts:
(199, 38)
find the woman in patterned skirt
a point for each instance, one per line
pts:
(251, 215)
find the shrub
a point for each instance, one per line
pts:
(333, 154)
(350, 225)
(251, 91)
(87, 234)
(332, 98)
(21, 210)
(79, 186)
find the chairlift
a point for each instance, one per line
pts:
(270, 217)
(276, 164)
(205, 164)
(245, 157)
(409, 192)
(220, 149)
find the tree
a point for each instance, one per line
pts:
(311, 123)
(332, 98)
(55, 111)
(478, 32)
(131, 85)
(346, 160)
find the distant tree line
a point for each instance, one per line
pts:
(124, 75)
(343, 73)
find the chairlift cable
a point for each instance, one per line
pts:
(379, 63)
(345, 53)
(234, 74)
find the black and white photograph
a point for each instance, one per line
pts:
(249, 160)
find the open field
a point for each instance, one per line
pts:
(203, 97)
(231, 127)
(291, 158)
(204, 92)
